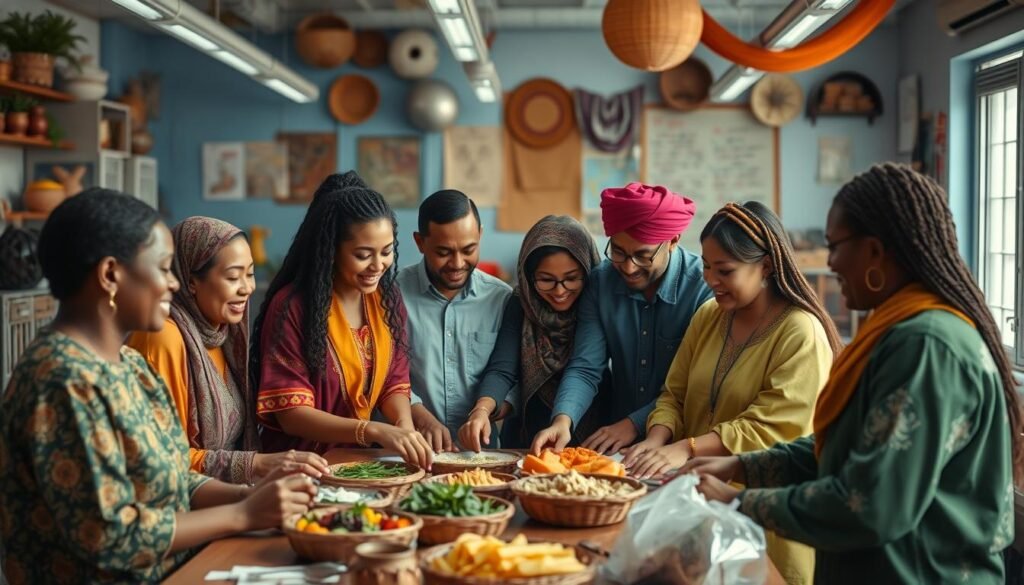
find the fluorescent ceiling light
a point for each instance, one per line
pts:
(804, 26)
(191, 37)
(457, 32)
(286, 90)
(139, 8)
(235, 61)
(465, 54)
(445, 6)
(732, 86)
(485, 93)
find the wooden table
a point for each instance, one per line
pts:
(274, 550)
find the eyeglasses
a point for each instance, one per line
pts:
(618, 256)
(548, 284)
(831, 246)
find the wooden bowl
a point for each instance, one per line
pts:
(380, 499)
(432, 576)
(510, 460)
(578, 511)
(442, 529)
(353, 99)
(398, 486)
(341, 547)
(503, 490)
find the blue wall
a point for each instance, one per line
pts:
(203, 100)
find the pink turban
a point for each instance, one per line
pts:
(651, 215)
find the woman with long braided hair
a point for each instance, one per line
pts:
(751, 363)
(909, 475)
(330, 339)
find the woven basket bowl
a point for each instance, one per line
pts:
(503, 491)
(442, 529)
(341, 547)
(432, 576)
(507, 466)
(578, 511)
(398, 486)
(382, 499)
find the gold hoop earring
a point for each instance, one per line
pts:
(113, 305)
(867, 279)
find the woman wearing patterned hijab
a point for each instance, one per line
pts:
(203, 352)
(536, 336)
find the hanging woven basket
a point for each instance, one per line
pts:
(653, 35)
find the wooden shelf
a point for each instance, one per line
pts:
(36, 91)
(18, 218)
(34, 142)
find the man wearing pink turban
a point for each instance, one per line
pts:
(634, 310)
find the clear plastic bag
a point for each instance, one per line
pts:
(676, 536)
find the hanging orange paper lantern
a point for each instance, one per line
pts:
(842, 37)
(654, 35)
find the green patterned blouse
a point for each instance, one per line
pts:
(93, 467)
(914, 484)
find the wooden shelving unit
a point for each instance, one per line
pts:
(44, 93)
(18, 218)
(34, 142)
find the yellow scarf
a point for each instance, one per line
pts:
(343, 341)
(848, 367)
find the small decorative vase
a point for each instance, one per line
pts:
(37, 123)
(385, 563)
(17, 123)
(142, 141)
(44, 195)
(33, 68)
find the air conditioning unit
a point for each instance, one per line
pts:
(956, 16)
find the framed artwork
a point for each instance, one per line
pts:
(223, 171)
(266, 170)
(311, 157)
(391, 166)
(472, 162)
(909, 105)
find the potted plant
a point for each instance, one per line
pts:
(36, 41)
(16, 119)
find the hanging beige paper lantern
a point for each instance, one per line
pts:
(653, 35)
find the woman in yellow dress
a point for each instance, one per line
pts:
(750, 366)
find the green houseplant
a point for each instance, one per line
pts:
(35, 41)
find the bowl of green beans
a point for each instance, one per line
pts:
(394, 476)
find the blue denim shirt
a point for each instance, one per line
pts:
(450, 342)
(639, 336)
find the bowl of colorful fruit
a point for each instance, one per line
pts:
(332, 534)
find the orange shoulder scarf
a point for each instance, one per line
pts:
(849, 366)
(343, 341)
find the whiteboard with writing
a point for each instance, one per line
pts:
(711, 155)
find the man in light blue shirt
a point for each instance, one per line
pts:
(634, 310)
(454, 316)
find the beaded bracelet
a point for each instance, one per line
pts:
(361, 433)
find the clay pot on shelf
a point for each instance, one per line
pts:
(37, 122)
(5, 70)
(44, 195)
(17, 123)
(142, 141)
(33, 68)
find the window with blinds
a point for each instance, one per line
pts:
(998, 89)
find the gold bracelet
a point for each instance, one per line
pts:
(693, 447)
(361, 433)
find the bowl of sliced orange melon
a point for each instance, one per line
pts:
(571, 459)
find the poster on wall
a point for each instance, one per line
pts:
(311, 157)
(391, 166)
(835, 159)
(223, 171)
(908, 114)
(472, 162)
(602, 170)
(266, 170)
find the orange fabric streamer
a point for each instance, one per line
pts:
(842, 37)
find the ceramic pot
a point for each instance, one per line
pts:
(3, 118)
(5, 70)
(142, 141)
(33, 68)
(385, 563)
(17, 123)
(44, 196)
(37, 122)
